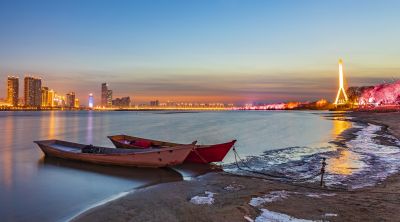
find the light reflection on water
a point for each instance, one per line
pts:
(346, 162)
(339, 125)
(32, 186)
(7, 155)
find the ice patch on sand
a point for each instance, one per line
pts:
(247, 218)
(208, 199)
(273, 196)
(281, 195)
(319, 195)
(234, 187)
(330, 215)
(270, 216)
(268, 198)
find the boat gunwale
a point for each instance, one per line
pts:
(164, 142)
(48, 143)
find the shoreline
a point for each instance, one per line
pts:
(233, 195)
(389, 120)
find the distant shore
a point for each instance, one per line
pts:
(21, 108)
(233, 195)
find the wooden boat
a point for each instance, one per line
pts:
(201, 153)
(152, 157)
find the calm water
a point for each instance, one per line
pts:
(34, 188)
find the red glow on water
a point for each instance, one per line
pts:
(383, 94)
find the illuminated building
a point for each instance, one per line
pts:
(21, 101)
(59, 100)
(106, 95)
(122, 102)
(154, 103)
(321, 103)
(76, 104)
(50, 98)
(91, 101)
(341, 97)
(104, 89)
(32, 91)
(70, 100)
(12, 90)
(171, 103)
(45, 96)
(4, 104)
(109, 98)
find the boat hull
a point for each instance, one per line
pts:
(151, 158)
(209, 153)
(200, 154)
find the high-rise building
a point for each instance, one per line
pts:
(50, 98)
(109, 98)
(106, 95)
(32, 91)
(104, 92)
(154, 103)
(123, 102)
(12, 90)
(91, 101)
(76, 104)
(45, 96)
(59, 100)
(70, 100)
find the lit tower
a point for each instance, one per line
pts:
(91, 100)
(341, 97)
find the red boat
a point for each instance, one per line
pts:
(201, 153)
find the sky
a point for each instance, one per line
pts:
(233, 51)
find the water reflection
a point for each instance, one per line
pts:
(138, 174)
(89, 127)
(339, 125)
(51, 131)
(7, 155)
(190, 170)
(346, 161)
(345, 164)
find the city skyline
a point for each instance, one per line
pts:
(225, 51)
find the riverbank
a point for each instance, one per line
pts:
(236, 198)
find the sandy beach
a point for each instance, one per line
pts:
(220, 196)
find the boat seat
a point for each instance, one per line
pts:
(92, 149)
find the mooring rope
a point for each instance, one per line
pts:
(281, 177)
(290, 181)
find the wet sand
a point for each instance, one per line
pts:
(391, 120)
(171, 201)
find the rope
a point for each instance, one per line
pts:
(250, 170)
(290, 183)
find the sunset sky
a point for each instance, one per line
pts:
(205, 50)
